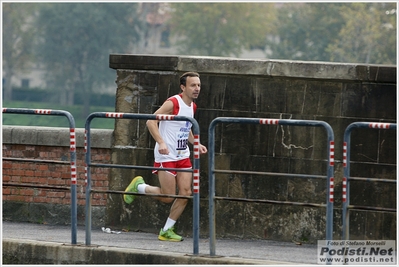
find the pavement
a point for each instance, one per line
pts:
(260, 251)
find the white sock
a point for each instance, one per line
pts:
(141, 188)
(169, 223)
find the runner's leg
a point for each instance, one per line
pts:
(184, 181)
(167, 182)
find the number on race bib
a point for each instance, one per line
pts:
(182, 144)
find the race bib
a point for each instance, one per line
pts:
(182, 140)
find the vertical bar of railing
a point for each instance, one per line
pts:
(196, 166)
(87, 144)
(346, 165)
(211, 193)
(72, 145)
(211, 167)
(74, 204)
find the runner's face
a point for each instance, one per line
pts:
(192, 88)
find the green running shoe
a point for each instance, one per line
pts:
(169, 235)
(132, 187)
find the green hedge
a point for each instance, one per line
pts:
(49, 96)
(55, 121)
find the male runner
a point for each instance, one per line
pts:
(172, 151)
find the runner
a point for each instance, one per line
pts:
(172, 151)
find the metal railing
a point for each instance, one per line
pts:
(212, 171)
(72, 143)
(346, 178)
(329, 181)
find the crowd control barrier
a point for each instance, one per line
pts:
(330, 171)
(346, 179)
(72, 160)
(195, 170)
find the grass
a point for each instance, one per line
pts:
(55, 121)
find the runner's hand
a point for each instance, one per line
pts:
(163, 149)
(202, 149)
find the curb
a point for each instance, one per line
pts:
(24, 251)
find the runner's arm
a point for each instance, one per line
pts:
(166, 108)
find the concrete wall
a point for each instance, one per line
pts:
(338, 94)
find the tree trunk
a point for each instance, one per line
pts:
(8, 87)
(63, 97)
(86, 105)
(71, 97)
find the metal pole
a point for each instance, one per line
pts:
(74, 205)
(345, 183)
(330, 183)
(211, 174)
(196, 186)
(88, 180)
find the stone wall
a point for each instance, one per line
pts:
(338, 94)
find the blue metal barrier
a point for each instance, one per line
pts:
(195, 170)
(330, 170)
(346, 179)
(72, 142)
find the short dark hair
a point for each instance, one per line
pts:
(183, 78)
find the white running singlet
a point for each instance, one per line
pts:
(176, 133)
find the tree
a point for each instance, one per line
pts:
(153, 17)
(76, 40)
(17, 41)
(324, 24)
(220, 29)
(304, 31)
(369, 34)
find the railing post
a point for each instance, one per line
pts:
(87, 144)
(211, 173)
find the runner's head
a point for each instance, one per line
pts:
(183, 78)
